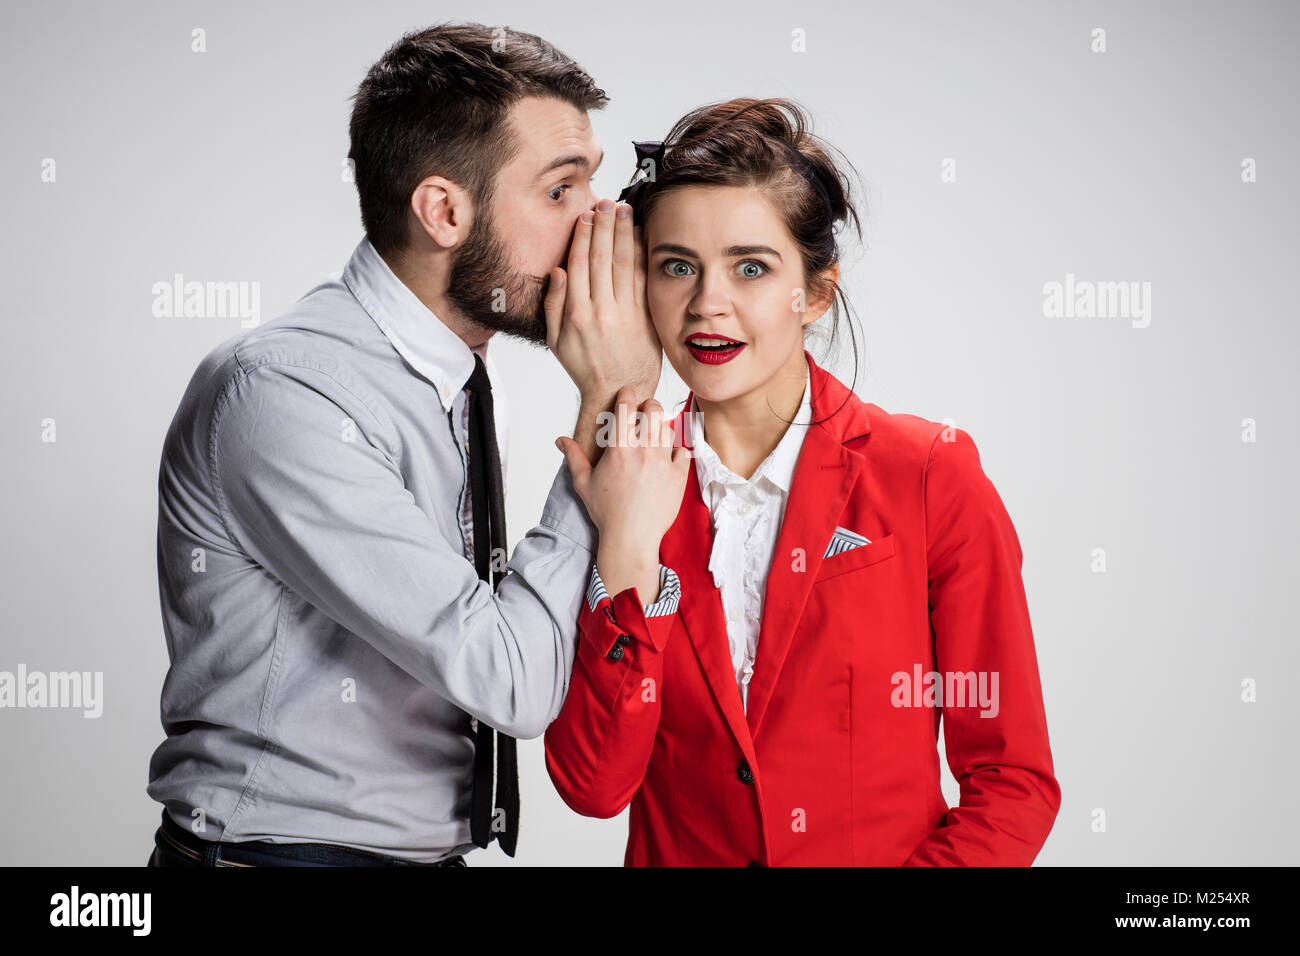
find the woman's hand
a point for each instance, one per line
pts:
(633, 494)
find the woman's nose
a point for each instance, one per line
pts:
(710, 298)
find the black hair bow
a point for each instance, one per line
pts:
(652, 150)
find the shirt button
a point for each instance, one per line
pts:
(744, 510)
(616, 653)
(625, 639)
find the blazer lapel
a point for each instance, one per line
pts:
(686, 549)
(824, 477)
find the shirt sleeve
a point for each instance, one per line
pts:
(979, 618)
(307, 483)
(669, 592)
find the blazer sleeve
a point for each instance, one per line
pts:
(979, 621)
(598, 748)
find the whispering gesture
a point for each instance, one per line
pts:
(597, 323)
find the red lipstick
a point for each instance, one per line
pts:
(713, 349)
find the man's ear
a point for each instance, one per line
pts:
(442, 210)
(817, 308)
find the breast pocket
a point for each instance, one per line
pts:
(863, 556)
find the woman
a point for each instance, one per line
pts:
(836, 577)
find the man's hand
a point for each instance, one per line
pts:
(633, 494)
(597, 322)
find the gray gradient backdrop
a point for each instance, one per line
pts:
(1116, 166)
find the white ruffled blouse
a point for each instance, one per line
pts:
(746, 517)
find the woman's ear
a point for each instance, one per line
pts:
(817, 308)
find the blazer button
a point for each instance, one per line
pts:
(625, 639)
(743, 772)
(616, 653)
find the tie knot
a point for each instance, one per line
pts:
(479, 383)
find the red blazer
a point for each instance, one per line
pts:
(836, 761)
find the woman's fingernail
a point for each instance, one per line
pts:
(588, 217)
(624, 210)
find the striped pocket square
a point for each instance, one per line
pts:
(844, 540)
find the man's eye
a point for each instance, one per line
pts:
(756, 264)
(670, 264)
(552, 193)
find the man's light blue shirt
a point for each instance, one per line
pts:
(330, 641)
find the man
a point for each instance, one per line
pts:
(341, 651)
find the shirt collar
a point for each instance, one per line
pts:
(778, 467)
(415, 331)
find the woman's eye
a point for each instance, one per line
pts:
(552, 193)
(754, 269)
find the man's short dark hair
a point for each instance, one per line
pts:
(437, 103)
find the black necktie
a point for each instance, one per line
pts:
(488, 501)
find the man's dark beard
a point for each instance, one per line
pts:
(482, 267)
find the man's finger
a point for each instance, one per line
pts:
(639, 271)
(624, 255)
(554, 306)
(579, 271)
(601, 254)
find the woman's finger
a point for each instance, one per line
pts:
(638, 431)
(579, 466)
(667, 436)
(625, 417)
(654, 417)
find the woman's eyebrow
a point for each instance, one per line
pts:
(729, 251)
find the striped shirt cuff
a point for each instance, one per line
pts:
(670, 591)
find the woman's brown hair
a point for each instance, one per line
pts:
(767, 144)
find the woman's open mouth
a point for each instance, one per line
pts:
(713, 349)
